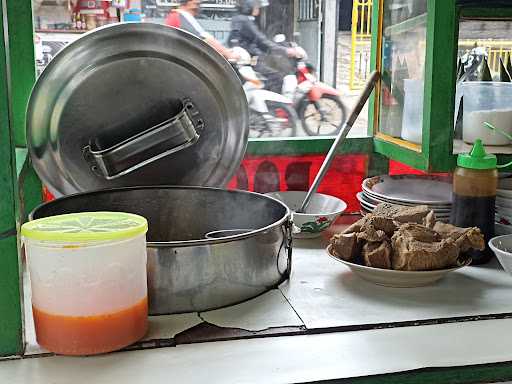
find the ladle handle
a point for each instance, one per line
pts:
(374, 76)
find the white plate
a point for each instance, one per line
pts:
(370, 207)
(360, 197)
(397, 279)
(501, 229)
(505, 188)
(504, 211)
(369, 201)
(503, 202)
(504, 194)
(415, 189)
(372, 199)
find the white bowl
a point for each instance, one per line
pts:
(321, 212)
(502, 248)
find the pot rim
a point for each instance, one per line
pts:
(187, 243)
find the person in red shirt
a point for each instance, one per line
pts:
(184, 18)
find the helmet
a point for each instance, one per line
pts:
(245, 7)
(244, 58)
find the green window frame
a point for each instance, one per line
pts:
(436, 153)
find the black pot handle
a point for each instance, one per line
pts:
(289, 245)
(163, 139)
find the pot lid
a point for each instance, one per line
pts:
(136, 104)
(86, 226)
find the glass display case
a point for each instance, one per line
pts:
(429, 52)
(403, 67)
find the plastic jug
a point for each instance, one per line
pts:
(88, 279)
(412, 120)
(486, 101)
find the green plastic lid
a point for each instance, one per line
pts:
(86, 226)
(477, 158)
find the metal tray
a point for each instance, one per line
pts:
(112, 110)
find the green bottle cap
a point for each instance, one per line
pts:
(477, 158)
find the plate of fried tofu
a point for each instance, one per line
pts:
(403, 246)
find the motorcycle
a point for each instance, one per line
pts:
(270, 114)
(318, 105)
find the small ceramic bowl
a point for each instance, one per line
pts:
(321, 212)
(502, 248)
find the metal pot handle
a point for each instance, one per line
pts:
(289, 245)
(163, 139)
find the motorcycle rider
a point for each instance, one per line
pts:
(245, 32)
(184, 17)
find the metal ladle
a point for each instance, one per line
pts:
(374, 76)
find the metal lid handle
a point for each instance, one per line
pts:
(163, 139)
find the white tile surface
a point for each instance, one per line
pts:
(280, 359)
(168, 326)
(326, 294)
(265, 311)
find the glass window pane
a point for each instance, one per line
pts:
(403, 67)
(331, 38)
(484, 50)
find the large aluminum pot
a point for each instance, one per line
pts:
(188, 271)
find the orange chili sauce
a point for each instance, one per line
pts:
(88, 335)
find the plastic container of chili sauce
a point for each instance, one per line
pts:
(88, 279)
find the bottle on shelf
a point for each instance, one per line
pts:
(84, 23)
(475, 181)
(73, 21)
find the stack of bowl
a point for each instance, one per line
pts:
(503, 225)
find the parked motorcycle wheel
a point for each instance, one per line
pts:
(322, 117)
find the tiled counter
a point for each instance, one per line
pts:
(324, 323)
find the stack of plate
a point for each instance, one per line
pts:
(503, 225)
(410, 190)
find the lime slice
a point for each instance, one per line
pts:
(86, 226)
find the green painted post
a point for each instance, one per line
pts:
(404, 155)
(22, 62)
(488, 373)
(11, 328)
(377, 165)
(439, 92)
(30, 189)
(374, 56)
(306, 146)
